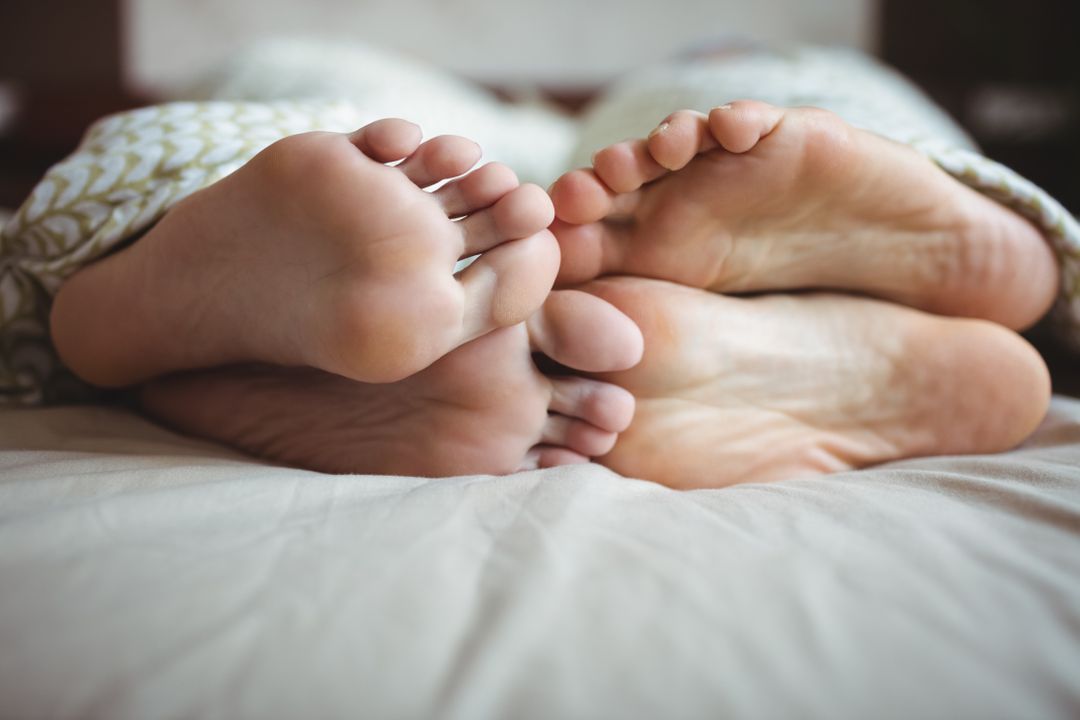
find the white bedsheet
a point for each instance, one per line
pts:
(146, 575)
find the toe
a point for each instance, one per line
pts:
(608, 407)
(519, 213)
(626, 166)
(387, 140)
(582, 250)
(578, 436)
(589, 251)
(477, 190)
(582, 197)
(679, 138)
(546, 456)
(508, 283)
(440, 158)
(740, 125)
(583, 332)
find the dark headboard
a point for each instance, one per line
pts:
(1008, 71)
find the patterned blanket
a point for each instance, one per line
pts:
(132, 167)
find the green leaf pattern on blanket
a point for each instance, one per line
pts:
(132, 167)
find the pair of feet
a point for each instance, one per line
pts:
(318, 255)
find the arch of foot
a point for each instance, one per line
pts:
(866, 94)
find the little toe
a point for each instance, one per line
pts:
(583, 332)
(626, 166)
(578, 436)
(740, 125)
(608, 407)
(679, 138)
(582, 197)
(477, 190)
(522, 212)
(387, 140)
(439, 158)
(508, 283)
(547, 456)
(589, 251)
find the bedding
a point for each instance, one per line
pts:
(144, 574)
(132, 167)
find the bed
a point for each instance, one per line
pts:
(144, 574)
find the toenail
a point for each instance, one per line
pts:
(725, 106)
(659, 129)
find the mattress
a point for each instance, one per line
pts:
(144, 574)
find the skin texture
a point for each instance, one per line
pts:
(483, 408)
(750, 198)
(317, 253)
(755, 198)
(775, 387)
(334, 272)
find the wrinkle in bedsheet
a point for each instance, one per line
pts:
(221, 588)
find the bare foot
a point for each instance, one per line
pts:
(317, 253)
(775, 387)
(484, 408)
(759, 198)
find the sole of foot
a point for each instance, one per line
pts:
(754, 198)
(485, 408)
(734, 390)
(317, 252)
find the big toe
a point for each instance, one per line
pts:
(740, 125)
(508, 283)
(580, 196)
(585, 333)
